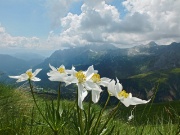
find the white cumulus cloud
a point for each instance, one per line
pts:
(101, 23)
(58, 9)
(9, 41)
(164, 17)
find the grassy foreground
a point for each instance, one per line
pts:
(19, 116)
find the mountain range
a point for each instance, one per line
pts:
(140, 68)
(112, 61)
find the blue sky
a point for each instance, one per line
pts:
(44, 26)
(24, 18)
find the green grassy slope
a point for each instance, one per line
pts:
(167, 81)
(19, 116)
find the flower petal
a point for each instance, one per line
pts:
(29, 70)
(22, 77)
(14, 77)
(58, 77)
(81, 95)
(52, 73)
(136, 101)
(133, 101)
(95, 95)
(118, 87)
(36, 72)
(52, 68)
(70, 79)
(62, 66)
(72, 71)
(111, 88)
(35, 79)
(90, 85)
(89, 73)
(105, 81)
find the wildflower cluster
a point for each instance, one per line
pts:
(86, 81)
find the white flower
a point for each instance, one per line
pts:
(126, 98)
(130, 117)
(114, 89)
(97, 81)
(58, 74)
(133, 100)
(82, 79)
(27, 75)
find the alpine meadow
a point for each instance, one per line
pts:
(90, 67)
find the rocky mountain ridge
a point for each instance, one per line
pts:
(113, 62)
(131, 61)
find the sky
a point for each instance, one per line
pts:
(43, 26)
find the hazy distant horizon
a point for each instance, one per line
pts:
(45, 53)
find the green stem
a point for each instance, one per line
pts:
(81, 122)
(101, 112)
(58, 99)
(106, 103)
(78, 114)
(151, 102)
(31, 87)
(111, 116)
(32, 120)
(89, 114)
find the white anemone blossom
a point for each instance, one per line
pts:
(58, 74)
(82, 80)
(126, 98)
(27, 75)
(97, 81)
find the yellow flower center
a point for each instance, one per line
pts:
(96, 78)
(80, 76)
(123, 93)
(61, 70)
(30, 75)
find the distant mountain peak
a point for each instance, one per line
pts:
(152, 43)
(174, 43)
